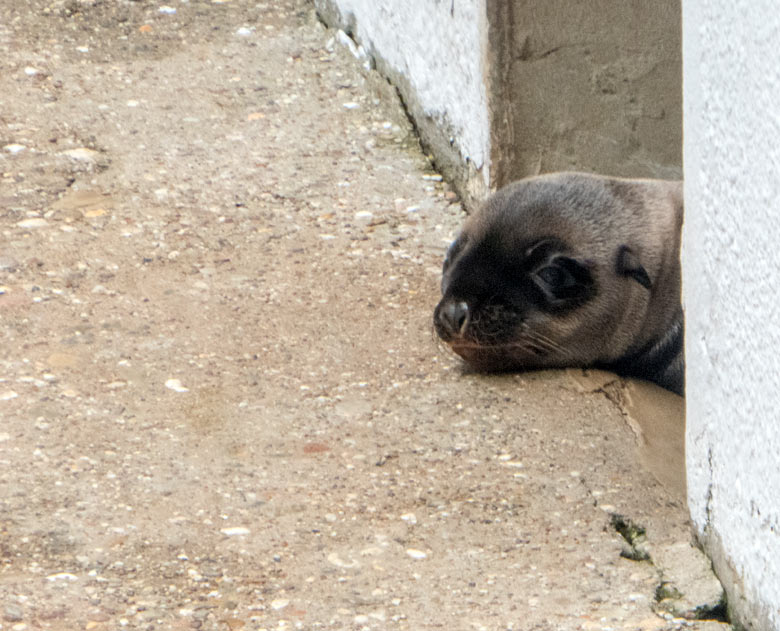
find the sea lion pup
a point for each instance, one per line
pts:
(569, 270)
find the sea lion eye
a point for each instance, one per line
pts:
(564, 281)
(555, 277)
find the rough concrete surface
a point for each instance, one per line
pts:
(592, 86)
(221, 404)
(436, 55)
(732, 163)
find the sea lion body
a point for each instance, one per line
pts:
(569, 270)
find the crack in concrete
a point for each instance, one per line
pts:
(670, 596)
(708, 501)
(634, 535)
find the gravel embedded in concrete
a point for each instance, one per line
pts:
(222, 404)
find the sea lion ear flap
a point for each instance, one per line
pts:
(628, 265)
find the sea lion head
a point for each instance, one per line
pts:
(561, 270)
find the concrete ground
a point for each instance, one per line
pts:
(221, 401)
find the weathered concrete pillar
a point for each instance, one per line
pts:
(593, 86)
(502, 89)
(731, 258)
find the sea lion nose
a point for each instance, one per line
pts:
(452, 319)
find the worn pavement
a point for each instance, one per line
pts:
(221, 402)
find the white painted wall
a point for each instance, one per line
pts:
(731, 272)
(439, 47)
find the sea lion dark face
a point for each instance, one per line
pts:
(508, 297)
(569, 270)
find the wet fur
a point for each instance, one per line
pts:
(570, 269)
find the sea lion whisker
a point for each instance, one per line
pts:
(547, 342)
(498, 346)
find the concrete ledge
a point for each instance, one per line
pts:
(434, 55)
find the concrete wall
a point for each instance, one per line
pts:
(587, 86)
(434, 52)
(504, 89)
(731, 263)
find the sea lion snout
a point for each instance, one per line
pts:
(451, 319)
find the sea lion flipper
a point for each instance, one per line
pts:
(628, 265)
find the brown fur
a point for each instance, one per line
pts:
(595, 218)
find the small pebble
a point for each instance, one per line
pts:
(371, 551)
(351, 105)
(346, 40)
(8, 264)
(235, 531)
(416, 554)
(8, 395)
(167, 10)
(335, 559)
(175, 385)
(244, 31)
(82, 154)
(410, 518)
(12, 613)
(33, 222)
(99, 616)
(30, 71)
(14, 148)
(82, 49)
(279, 603)
(62, 576)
